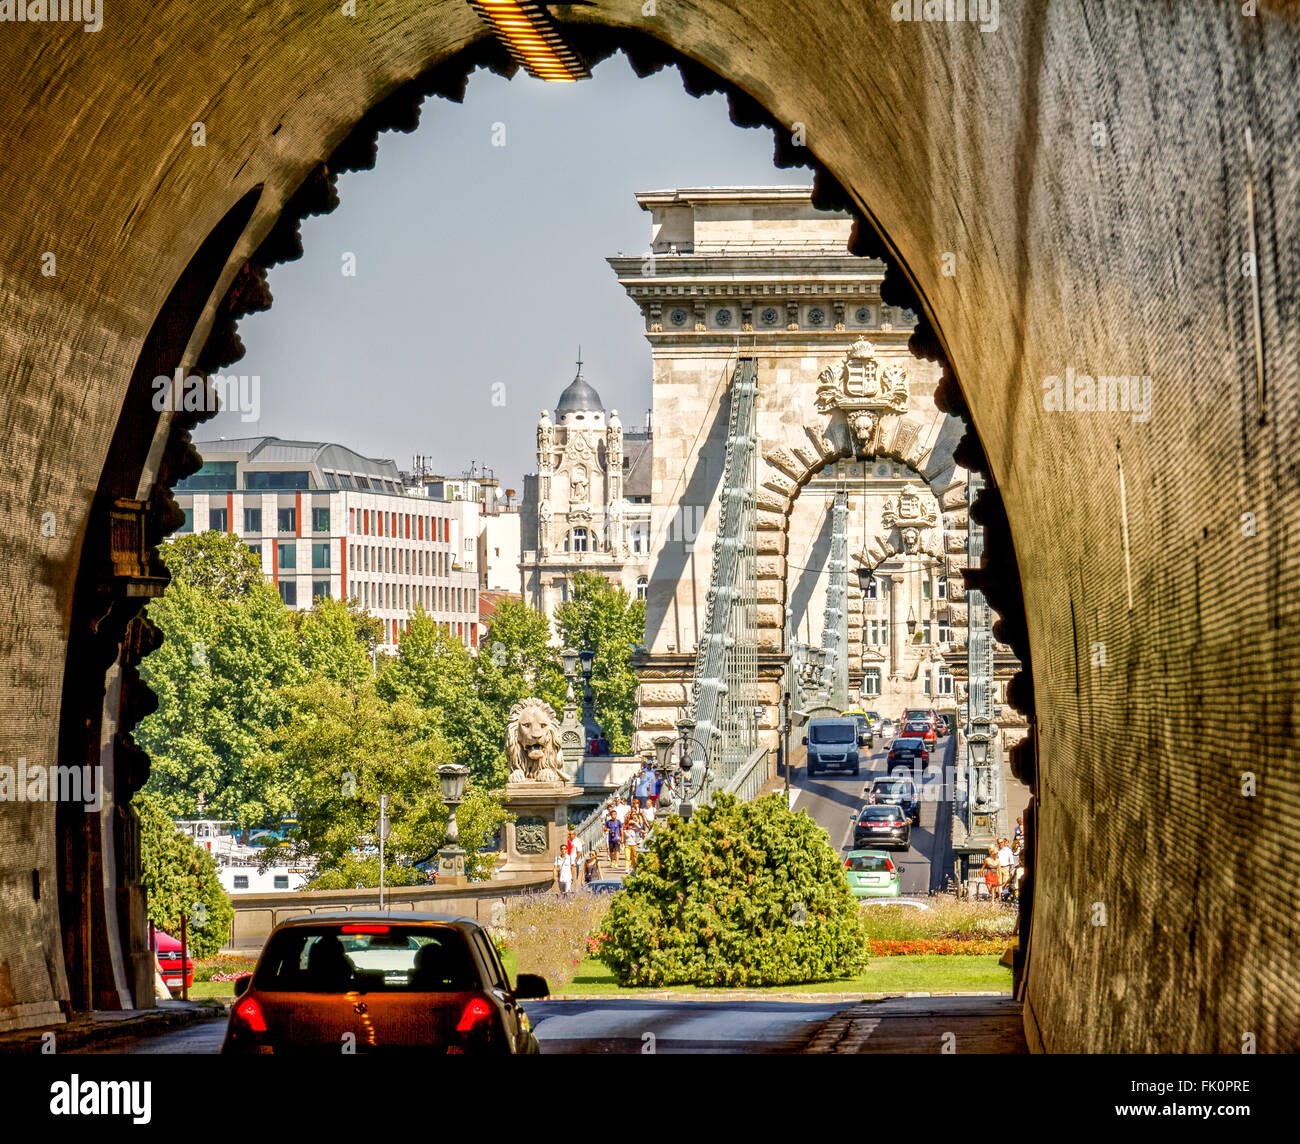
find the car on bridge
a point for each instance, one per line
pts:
(899, 792)
(834, 742)
(882, 826)
(920, 729)
(908, 752)
(871, 874)
(865, 728)
(379, 981)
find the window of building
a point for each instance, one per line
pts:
(281, 881)
(878, 632)
(289, 593)
(577, 541)
(926, 587)
(873, 589)
(925, 631)
(365, 558)
(329, 480)
(564, 590)
(927, 689)
(253, 521)
(287, 555)
(218, 520)
(320, 555)
(256, 550)
(945, 632)
(320, 590)
(640, 539)
(362, 482)
(941, 589)
(281, 482)
(871, 681)
(286, 520)
(187, 525)
(320, 519)
(241, 881)
(214, 477)
(945, 681)
(642, 585)
(345, 480)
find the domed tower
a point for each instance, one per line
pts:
(580, 406)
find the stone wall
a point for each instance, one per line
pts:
(1085, 167)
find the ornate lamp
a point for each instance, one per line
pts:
(865, 579)
(911, 622)
(451, 858)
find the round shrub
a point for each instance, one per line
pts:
(741, 894)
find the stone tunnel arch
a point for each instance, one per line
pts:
(1063, 262)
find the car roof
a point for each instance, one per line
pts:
(877, 806)
(393, 917)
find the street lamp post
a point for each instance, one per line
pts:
(572, 733)
(384, 827)
(451, 858)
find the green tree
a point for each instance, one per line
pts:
(179, 878)
(218, 562)
(335, 641)
(345, 747)
(601, 617)
(741, 894)
(228, 650)
(437, 672)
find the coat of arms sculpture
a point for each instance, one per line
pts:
(864, 391)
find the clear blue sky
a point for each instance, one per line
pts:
(478, 264)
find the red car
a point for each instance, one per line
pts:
(169, 961)
(370, 982)
(919, 729)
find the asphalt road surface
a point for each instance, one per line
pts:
(834, 798)
(601, 1025)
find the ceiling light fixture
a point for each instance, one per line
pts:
(532, 37)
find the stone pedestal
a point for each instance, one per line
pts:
(541, 813)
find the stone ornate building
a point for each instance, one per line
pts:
(587, 507)
(843, 406)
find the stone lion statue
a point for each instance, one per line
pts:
(533, 743)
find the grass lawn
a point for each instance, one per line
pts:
(202, 989)
(917, 973)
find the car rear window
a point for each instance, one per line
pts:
(891, 787)
(832, 733)
(365, 958)
(880, 812)
(868, 864)
(908, 745)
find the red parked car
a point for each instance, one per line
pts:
(169, 961)
(380, 981)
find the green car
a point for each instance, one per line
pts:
(871, 874)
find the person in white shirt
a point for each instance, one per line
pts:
(648, 813)
(1006, 860)
(564, 872)
(621, 809)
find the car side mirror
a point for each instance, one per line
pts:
(805, 740)
(242, 984)
(531, 985)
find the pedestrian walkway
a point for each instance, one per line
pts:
(99, 1030)
(925, 1025)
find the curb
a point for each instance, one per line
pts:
(86, 1029)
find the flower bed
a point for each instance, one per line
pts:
(979, 945)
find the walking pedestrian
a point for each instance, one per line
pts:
(613, 836)
(1006, 860)
(590, 869)
(564, 871)
(990, 870)
(633, 831)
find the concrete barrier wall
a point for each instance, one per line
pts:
(257, 914)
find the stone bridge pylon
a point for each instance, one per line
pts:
(843, 406)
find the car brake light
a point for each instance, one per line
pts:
(846, 862)
(889, 865)
(363, 929)
(250, 1014)
(476, 1012)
